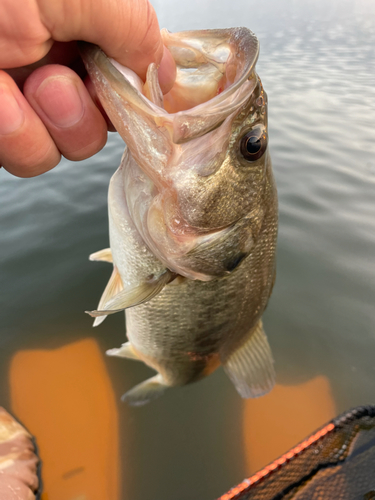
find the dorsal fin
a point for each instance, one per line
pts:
(104, 255)
(250, 367)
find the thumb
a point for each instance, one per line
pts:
(127, 30)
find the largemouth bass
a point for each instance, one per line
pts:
(192, 213)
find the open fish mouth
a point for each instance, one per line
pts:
(186, 180)
(212, 65)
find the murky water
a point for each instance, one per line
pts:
(317, 64)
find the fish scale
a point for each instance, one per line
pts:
(192, 214)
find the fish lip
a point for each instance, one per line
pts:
(93, 55)
(182, 124)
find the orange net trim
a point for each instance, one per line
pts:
(276, 464)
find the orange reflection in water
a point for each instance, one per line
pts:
(277, 422)
(65, 399)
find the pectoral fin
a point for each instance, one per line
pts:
(132, 296)
(250, 367)
(145, 392)
(104, 255)
(125, 351)
(113, 288)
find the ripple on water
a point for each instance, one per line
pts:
(317, 64)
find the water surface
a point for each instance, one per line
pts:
(317, 64)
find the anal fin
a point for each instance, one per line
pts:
(125, 351)
(250, 367)
(145, 392)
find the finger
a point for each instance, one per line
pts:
(62, 102)
(167, 71)
(24, 39)
(26, 148)
(65, 53)
(127, 30)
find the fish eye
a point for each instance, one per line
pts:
(253, 144)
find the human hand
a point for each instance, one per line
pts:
(55, 114)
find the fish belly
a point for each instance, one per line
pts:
(191, 326)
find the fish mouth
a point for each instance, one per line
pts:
(211, 65)
(215, 75)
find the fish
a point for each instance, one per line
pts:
(193, 213)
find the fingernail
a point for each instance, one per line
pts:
(167, 71)
(11, 115)
(59, 99)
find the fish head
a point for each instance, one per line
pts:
(197, 163)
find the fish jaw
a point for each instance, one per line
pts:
(195, 186)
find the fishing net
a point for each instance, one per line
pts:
(335, 463)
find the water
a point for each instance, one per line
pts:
(317, 64)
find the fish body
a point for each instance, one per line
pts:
(192, 213)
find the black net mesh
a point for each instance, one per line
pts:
(335, 463)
